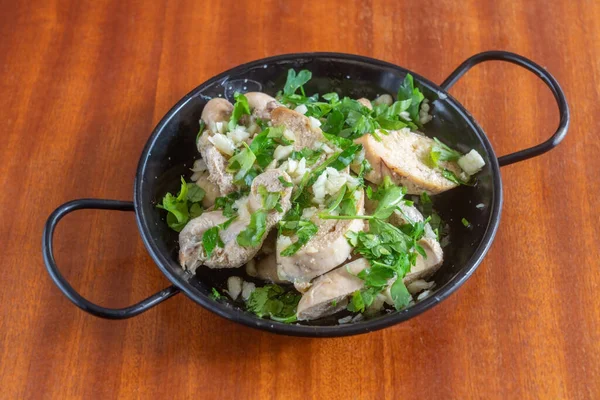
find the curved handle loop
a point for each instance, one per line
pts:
(67, 289)
(544, 75)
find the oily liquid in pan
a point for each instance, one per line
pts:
(206, 278)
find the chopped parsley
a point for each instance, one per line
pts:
(451, 176)
(241, 163)
(306, 230)
(390, 250)
(348, 118)
(240, 108)
(275, 302)
(183, 207)
(227, 203)
(296, 81)
(441, 152)
(215, 295)
(407, 91)
(284, 182)
(254, 233)
(465, 222)
(211, 240)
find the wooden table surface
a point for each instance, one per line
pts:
(82, 84)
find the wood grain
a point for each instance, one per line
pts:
(83, 83)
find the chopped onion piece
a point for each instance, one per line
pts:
(234, 286)
(222, 143)
(472, 162)
(302, 109)
(247, 289)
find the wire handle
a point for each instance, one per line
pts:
(63, 284)
(544, 75)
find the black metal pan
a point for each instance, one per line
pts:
(171, 149)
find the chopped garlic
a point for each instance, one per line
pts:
(384, 99)
(289, 135)
(284, 241)
(315, 123)
(351, 182)
(424, 295)
(241, 205)
(283, 152)
(319, 188)
(329, 183)
(301, 169)
(359, 158)
(295, 169)
(307, 213)
(217, 127)
(335, 181)
(222, 143)
(238, 135)
(247, 289)
(253, 128)
(472, 162)
(234, 286)
(327, 149)
(302, 109)
(418, 285)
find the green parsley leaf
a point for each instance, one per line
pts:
(408, 91)
(365, 168)
(263, 147)
(306, 230)
(184, 206)
(400, 295)
(211, 240)
(294, 81)
(241, 162)
(215, 295)
(356, 304)
(376, 276)
(311, 156)
(195, 210)
(255, 231)
(390, 196)
(440, 152)
(284, 182)
(334, 122)
(270, 199)
(332, 97)
(335, 201)
(195, 193)
(226, 203)
(348, 206)
(275, 302)
(240, 108)
(345, 158)
(451, 176)
(339, 141)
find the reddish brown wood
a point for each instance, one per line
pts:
(83, 83)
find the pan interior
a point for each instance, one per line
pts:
(172, 150)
